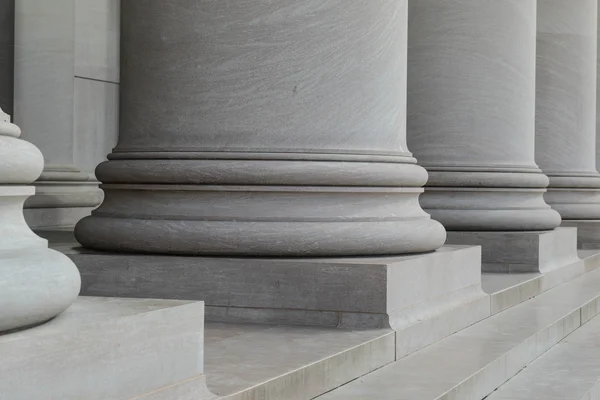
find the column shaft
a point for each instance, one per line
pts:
(471, 110)
(566, 105)
(44, 108)
(256, 128)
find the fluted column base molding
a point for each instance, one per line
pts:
(64, 195)
(588, 233)
(426, 296)
(517, 252)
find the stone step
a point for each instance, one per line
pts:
(108, 348)
(474, 362)
(568, 371)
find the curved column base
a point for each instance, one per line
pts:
(36, 283)
(575, 203)
(490, 209)
(477, 198)
(274, 221)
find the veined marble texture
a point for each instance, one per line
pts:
(471, 111)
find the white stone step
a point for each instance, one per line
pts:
(108, 349)
(568, 371)
(475, 361)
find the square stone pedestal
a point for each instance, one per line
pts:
(588, 233)
(424, 297)
(517, 252)
(108, 348)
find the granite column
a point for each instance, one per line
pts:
(274, 129)
(566, 112)
(471, 115)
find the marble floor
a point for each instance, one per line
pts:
(568, 371)
(472, 363)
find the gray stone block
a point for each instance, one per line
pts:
(107, 348)
(510, 252)
(588, 233)
(345, 292)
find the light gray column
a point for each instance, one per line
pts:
(36, 283)
(471, 111)
(262, 128)
(44, 108)
(566, 105)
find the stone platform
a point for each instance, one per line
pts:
(588, 233)
(108, 348)
(425, 297)
(519, 252)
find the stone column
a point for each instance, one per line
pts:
(36, 283)
(471, 114)
(566, 110)
(262, 128)
(44, 108)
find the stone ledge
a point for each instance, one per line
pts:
(519, 252)
(105, 348)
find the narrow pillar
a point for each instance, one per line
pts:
(44, 109)
(36, 283)
(471, 114)
(273, 129)
(566, 110)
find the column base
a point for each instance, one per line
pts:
(517, 252)
(108, 349)
(588, 233)
(55, 218)
(423, 297)
(64, 195)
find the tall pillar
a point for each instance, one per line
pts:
(36, 283)
(44, 108)
(471, 114)
(566, 109)
(274, 129)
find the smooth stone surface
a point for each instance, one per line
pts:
(568, 371)
(475, 361)
(55, 217)
(103, 348)
(588, 233)
(253, 362)
(345, 292)
(566, 105)
(301, 154)
(508, 290)
(44, 86)
(97, 31)
(36, 283)
(470, 118)
(518, 252)
(96, 120)
(44, 103)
